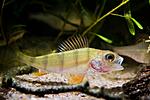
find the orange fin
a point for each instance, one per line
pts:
(76, 79)
(39, 73)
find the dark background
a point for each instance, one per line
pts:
(115, 28)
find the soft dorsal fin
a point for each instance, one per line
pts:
(73, 42)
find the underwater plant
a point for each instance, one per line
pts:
(14, 32)
(73, 16)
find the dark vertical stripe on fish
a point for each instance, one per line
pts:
(45, 62)
(61, 58)
(88, 54)
(32, 60)
(76, 57)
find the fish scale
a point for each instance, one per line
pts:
(64, 60)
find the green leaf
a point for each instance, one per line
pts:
(137, 23)
(130, 21)
(149, 2)
(127, 14)
(104, 38)
(130, 25)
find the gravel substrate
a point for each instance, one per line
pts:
(46, 81)
(16, 95)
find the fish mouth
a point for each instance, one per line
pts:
(117, 66)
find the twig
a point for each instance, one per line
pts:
(98, 20)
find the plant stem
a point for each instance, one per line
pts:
(98, 20)
(117, 15)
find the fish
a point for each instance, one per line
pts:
(138, 52)
(75, 59)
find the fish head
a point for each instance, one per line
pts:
(106, 61)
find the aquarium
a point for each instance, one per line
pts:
(74, 49)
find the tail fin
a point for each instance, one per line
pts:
(21, 57)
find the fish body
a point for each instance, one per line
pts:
(138, 52)
(75, 62)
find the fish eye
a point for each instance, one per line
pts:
(109, 57)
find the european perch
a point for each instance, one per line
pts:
(74, 59)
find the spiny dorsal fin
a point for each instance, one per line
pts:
(73, 42)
